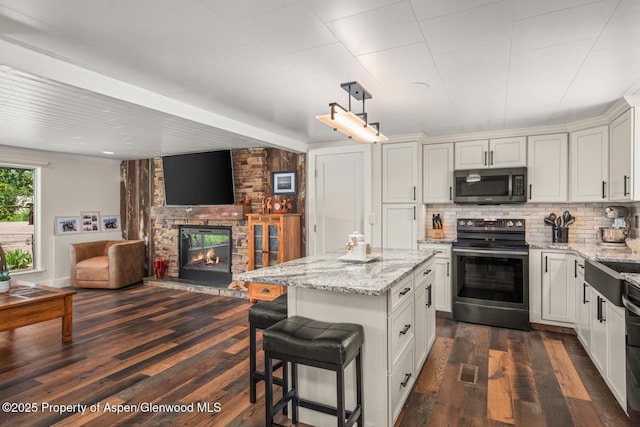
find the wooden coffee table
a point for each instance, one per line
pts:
(27, 303)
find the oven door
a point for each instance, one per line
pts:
(491, 286)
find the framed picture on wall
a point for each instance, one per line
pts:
(67, 225)
(284, 182)
(110, 223)
(90, 222)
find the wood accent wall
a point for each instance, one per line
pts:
(145, 215)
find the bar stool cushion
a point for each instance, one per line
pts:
(266, 313)
(312, 342)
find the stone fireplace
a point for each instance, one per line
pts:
(205, 253)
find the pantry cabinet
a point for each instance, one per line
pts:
(621, 161)
(400, 226)
(491, 153)
(548, 168)
(437, 173)
(400, 172)
(589, 151)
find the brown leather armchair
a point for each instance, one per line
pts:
(109, 264)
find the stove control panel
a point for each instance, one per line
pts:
(491, 224)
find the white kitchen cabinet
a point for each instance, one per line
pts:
(621, 162)
(491, 153)
(399, 172)
(425, 315)
(437, 173)
(608, 344)
(583, 305)
(548, 168)
(616, 357)
(442, 278)
(399, 226)
(558, 287)
(589, 156)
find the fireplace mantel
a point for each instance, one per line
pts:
(219, 212)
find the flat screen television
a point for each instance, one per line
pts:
(199, 178)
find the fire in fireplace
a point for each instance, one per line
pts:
(205, 253)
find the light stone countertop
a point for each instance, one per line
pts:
(327, 272)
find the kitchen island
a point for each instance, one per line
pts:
(389, 296)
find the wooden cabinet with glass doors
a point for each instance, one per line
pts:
(273, 239)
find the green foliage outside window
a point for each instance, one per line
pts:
(16, 193)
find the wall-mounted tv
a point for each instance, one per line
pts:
(199, 178)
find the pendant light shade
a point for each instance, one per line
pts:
(353, 125)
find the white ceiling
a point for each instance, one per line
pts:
(220, 73)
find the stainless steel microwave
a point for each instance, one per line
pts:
(490, 186)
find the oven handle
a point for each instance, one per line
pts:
(483, 251)
(629, 305)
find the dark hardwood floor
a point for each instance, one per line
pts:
(147, 344)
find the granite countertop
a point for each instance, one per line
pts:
(438, 241)
(327, 272)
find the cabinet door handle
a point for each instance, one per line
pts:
(598, 309)
(429, 296)
(447, 268)
(575, 268)
(414, 213)
(584, 293)
(529, 191)
(414, 193)
(603, 184)
(426, 272)
(546, 264)
(491, 158)
(405, 329)
(485, 158)
(626, 192)
(404, 291)
(407, 377)
(450, 192)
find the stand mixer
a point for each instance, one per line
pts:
(619, 229)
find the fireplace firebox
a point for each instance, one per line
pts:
(205, 254)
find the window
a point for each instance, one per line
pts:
(17, 216)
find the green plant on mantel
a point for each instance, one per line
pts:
(4, 276)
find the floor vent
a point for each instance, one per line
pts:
(468, 374)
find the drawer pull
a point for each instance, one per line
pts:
(407, 377)
(426, 272)
(405, 329)
(405, 291)
(265, 291)
(429, 296)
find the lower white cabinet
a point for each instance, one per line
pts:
(411, 329)
(583, 312)
(399, 226)
(558, 287)
(442, 280)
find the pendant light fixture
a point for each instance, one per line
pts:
(354, 125)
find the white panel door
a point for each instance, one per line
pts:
(590, 164)
(558, 287)
(399, 226)
(472, 154)
(437, 173)
(338, 199)
(399, 172)
(548, 168)
(620, 157)
(508, 152)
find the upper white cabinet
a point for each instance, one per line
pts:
(589, 151)
(548, 168)
(621, 162)
(491, 153)
(400, 172)
(437, 173)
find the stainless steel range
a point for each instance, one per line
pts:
(491, 273)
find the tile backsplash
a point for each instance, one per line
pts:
(589, 218)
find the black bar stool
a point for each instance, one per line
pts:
(262, 315)
(332, 346)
